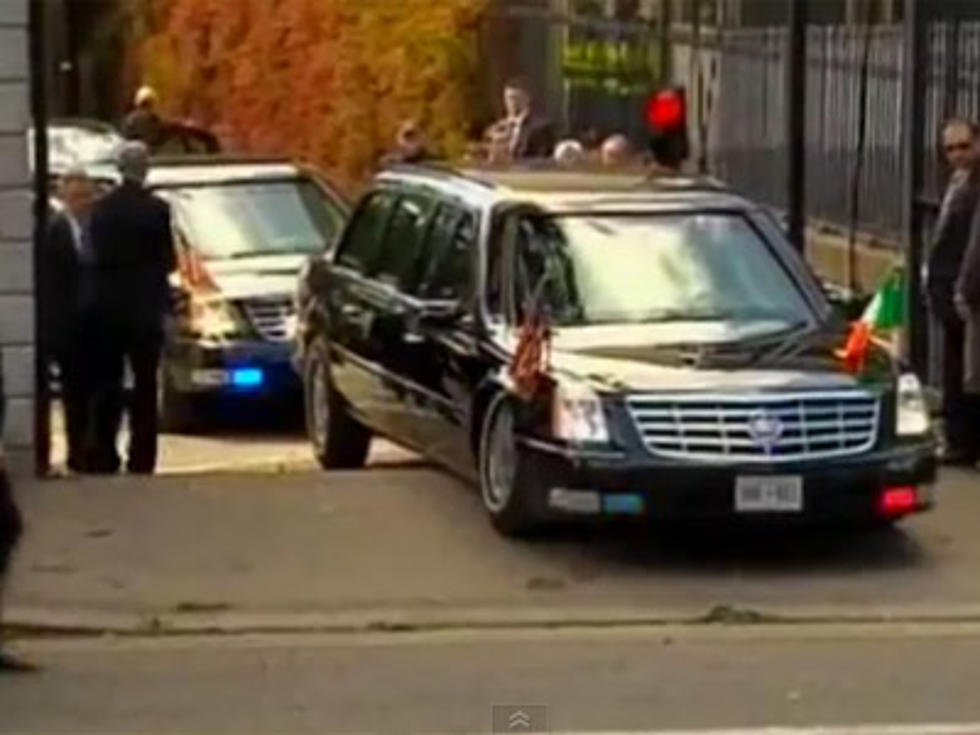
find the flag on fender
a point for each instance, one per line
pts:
(882, 321)
(531, 356)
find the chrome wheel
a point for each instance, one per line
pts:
(501, 460)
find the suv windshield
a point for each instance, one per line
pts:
(616, 269)
(244, 220)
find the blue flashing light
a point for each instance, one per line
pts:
(623, 503)
(247, 378)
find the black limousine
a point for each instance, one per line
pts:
(692, 369)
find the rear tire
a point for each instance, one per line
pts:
(507, 490)
(339, 441)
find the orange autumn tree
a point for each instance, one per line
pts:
(324, 80)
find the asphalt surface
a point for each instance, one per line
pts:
(243, 590)
(912, 679)
(401, 543)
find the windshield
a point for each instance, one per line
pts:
(244, 220)
(630, 269)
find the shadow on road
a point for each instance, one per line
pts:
(694, 551)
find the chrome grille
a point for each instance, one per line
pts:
(779, 427)
(270, 316)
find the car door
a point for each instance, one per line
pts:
(401, 346)
(446, 367)
(354, 302)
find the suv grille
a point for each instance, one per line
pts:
(757, 428)
(270, 316)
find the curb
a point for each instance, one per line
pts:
(23, 622)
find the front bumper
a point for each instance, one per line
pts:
(247, 367)
(575, 482)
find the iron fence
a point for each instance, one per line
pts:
(748, 144)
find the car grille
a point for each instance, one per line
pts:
(270, 317)
(757, 428)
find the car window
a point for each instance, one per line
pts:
(399, 263)
(255, 219)
(627, 269)
(452, 243)
(361, 246)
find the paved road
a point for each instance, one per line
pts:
(408, 544)
(620, 680)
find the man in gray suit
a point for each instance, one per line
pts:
(961, 411)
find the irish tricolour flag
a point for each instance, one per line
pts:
(881, 322)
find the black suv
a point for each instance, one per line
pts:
(694, 367)
(244, 228)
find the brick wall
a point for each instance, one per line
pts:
(16, 282)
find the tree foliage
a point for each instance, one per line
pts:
(325, 80)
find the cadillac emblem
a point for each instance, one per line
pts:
(765, 429)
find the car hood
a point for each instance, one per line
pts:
(267, 275)
(711, 356)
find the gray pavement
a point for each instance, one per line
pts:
(918, 679)
(408, 545)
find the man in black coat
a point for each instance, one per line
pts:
(528, 135)
(952, 233)
(134, 256)
(67, 304)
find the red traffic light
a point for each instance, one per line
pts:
(666, 110)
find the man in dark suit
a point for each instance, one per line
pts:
(528, 135)
(952, 232)
(67, 304)
(134, 255)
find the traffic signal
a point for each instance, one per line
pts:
(667, 123)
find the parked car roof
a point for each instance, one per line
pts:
(210, 169)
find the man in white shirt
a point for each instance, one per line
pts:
(66, 307)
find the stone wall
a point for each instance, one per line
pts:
(16, 272)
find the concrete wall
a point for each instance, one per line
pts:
(16, 278)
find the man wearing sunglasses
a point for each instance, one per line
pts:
(951, 236)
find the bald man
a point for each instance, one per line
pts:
(616, 151)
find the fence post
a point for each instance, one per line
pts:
(913, 129)
(39, 118)
(796, 123)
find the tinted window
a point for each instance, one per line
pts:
(614, 269)
(361, 247)
(254, 219)
(452, 242)
(400, 261)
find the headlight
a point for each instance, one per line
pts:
(577, 414)
(215, 318)
(912, 414)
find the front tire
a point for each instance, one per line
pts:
(339, 441)
(508, 491)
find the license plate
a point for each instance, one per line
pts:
(782, 494)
